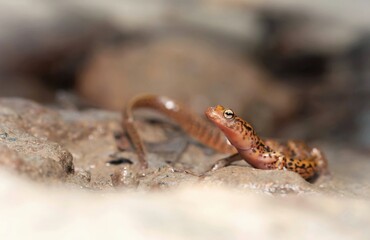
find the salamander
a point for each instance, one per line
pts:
(228, 134)
(192, 124)
(269, 154)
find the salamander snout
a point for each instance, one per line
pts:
(215, 113)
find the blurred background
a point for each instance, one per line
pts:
(294, 69)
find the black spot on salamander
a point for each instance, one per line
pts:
(268, 148)
(248, 127)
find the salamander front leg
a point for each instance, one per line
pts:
(226, 161)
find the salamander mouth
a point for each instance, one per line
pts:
(212, 114)
(215, 115)
(209, 112)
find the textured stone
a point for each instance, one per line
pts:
(24, 131)
(234, 201)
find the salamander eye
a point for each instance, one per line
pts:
(228, 114)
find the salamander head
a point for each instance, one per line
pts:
(222, 117)
(240, 134)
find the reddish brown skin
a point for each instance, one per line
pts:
(245, 143)
(269, 154)
(197, 127)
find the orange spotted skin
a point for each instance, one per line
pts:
(197, 127)
(269, 154)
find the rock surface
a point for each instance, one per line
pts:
(190, 212)
(27, 132)
(39, 143)
(80, 148)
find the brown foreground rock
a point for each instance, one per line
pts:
(26, 131)
(77, 150)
